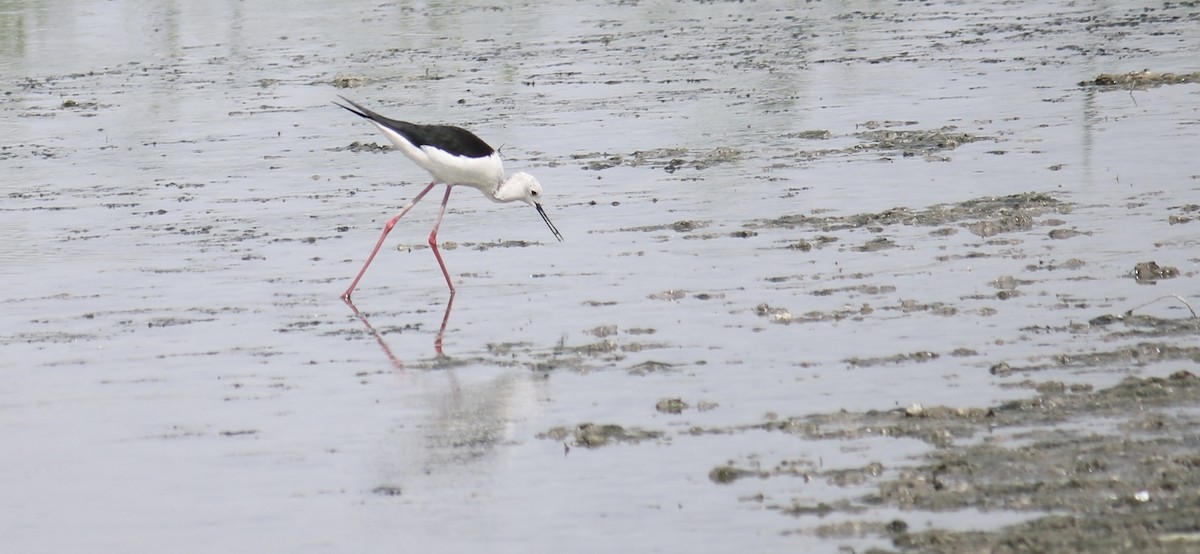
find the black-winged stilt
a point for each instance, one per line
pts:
(454, 156)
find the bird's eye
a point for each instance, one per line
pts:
(533, 193)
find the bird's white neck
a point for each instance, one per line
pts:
(511, 189)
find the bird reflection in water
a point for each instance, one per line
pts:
(387, 351)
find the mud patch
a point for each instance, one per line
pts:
(1131, 485)
(914, 142)
(987, 216)
(1093, 488)
(1139, 79)
(667, 159)
(683, 226)
(590, 435)
(1151, 272)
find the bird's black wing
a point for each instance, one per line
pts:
(455, 140)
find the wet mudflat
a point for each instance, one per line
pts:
(836, 276)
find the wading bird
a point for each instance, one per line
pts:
(453, 156)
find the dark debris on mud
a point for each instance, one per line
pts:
(1131, 488)
(1139, 80)
(1128, 482)
(1136, 355)
(776, 314)
(667, 159)
(590, 435)
(878, 138)
(682, 226)
(359, 146)
(1151, 272)
(609, 352)
(987, 216)
(917, 142)
(1187, 213)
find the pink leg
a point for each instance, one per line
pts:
(437, 343)
(387, 229)
(433, 240)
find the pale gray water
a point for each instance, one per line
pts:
(180, 375)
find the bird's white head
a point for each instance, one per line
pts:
(524, 187)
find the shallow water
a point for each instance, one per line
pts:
(182, 213)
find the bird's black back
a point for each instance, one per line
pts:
(455, 140)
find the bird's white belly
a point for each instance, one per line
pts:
(481, 173)
(461, 170)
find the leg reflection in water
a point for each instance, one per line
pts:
(437, 342)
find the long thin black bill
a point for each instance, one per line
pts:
(548, 224)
